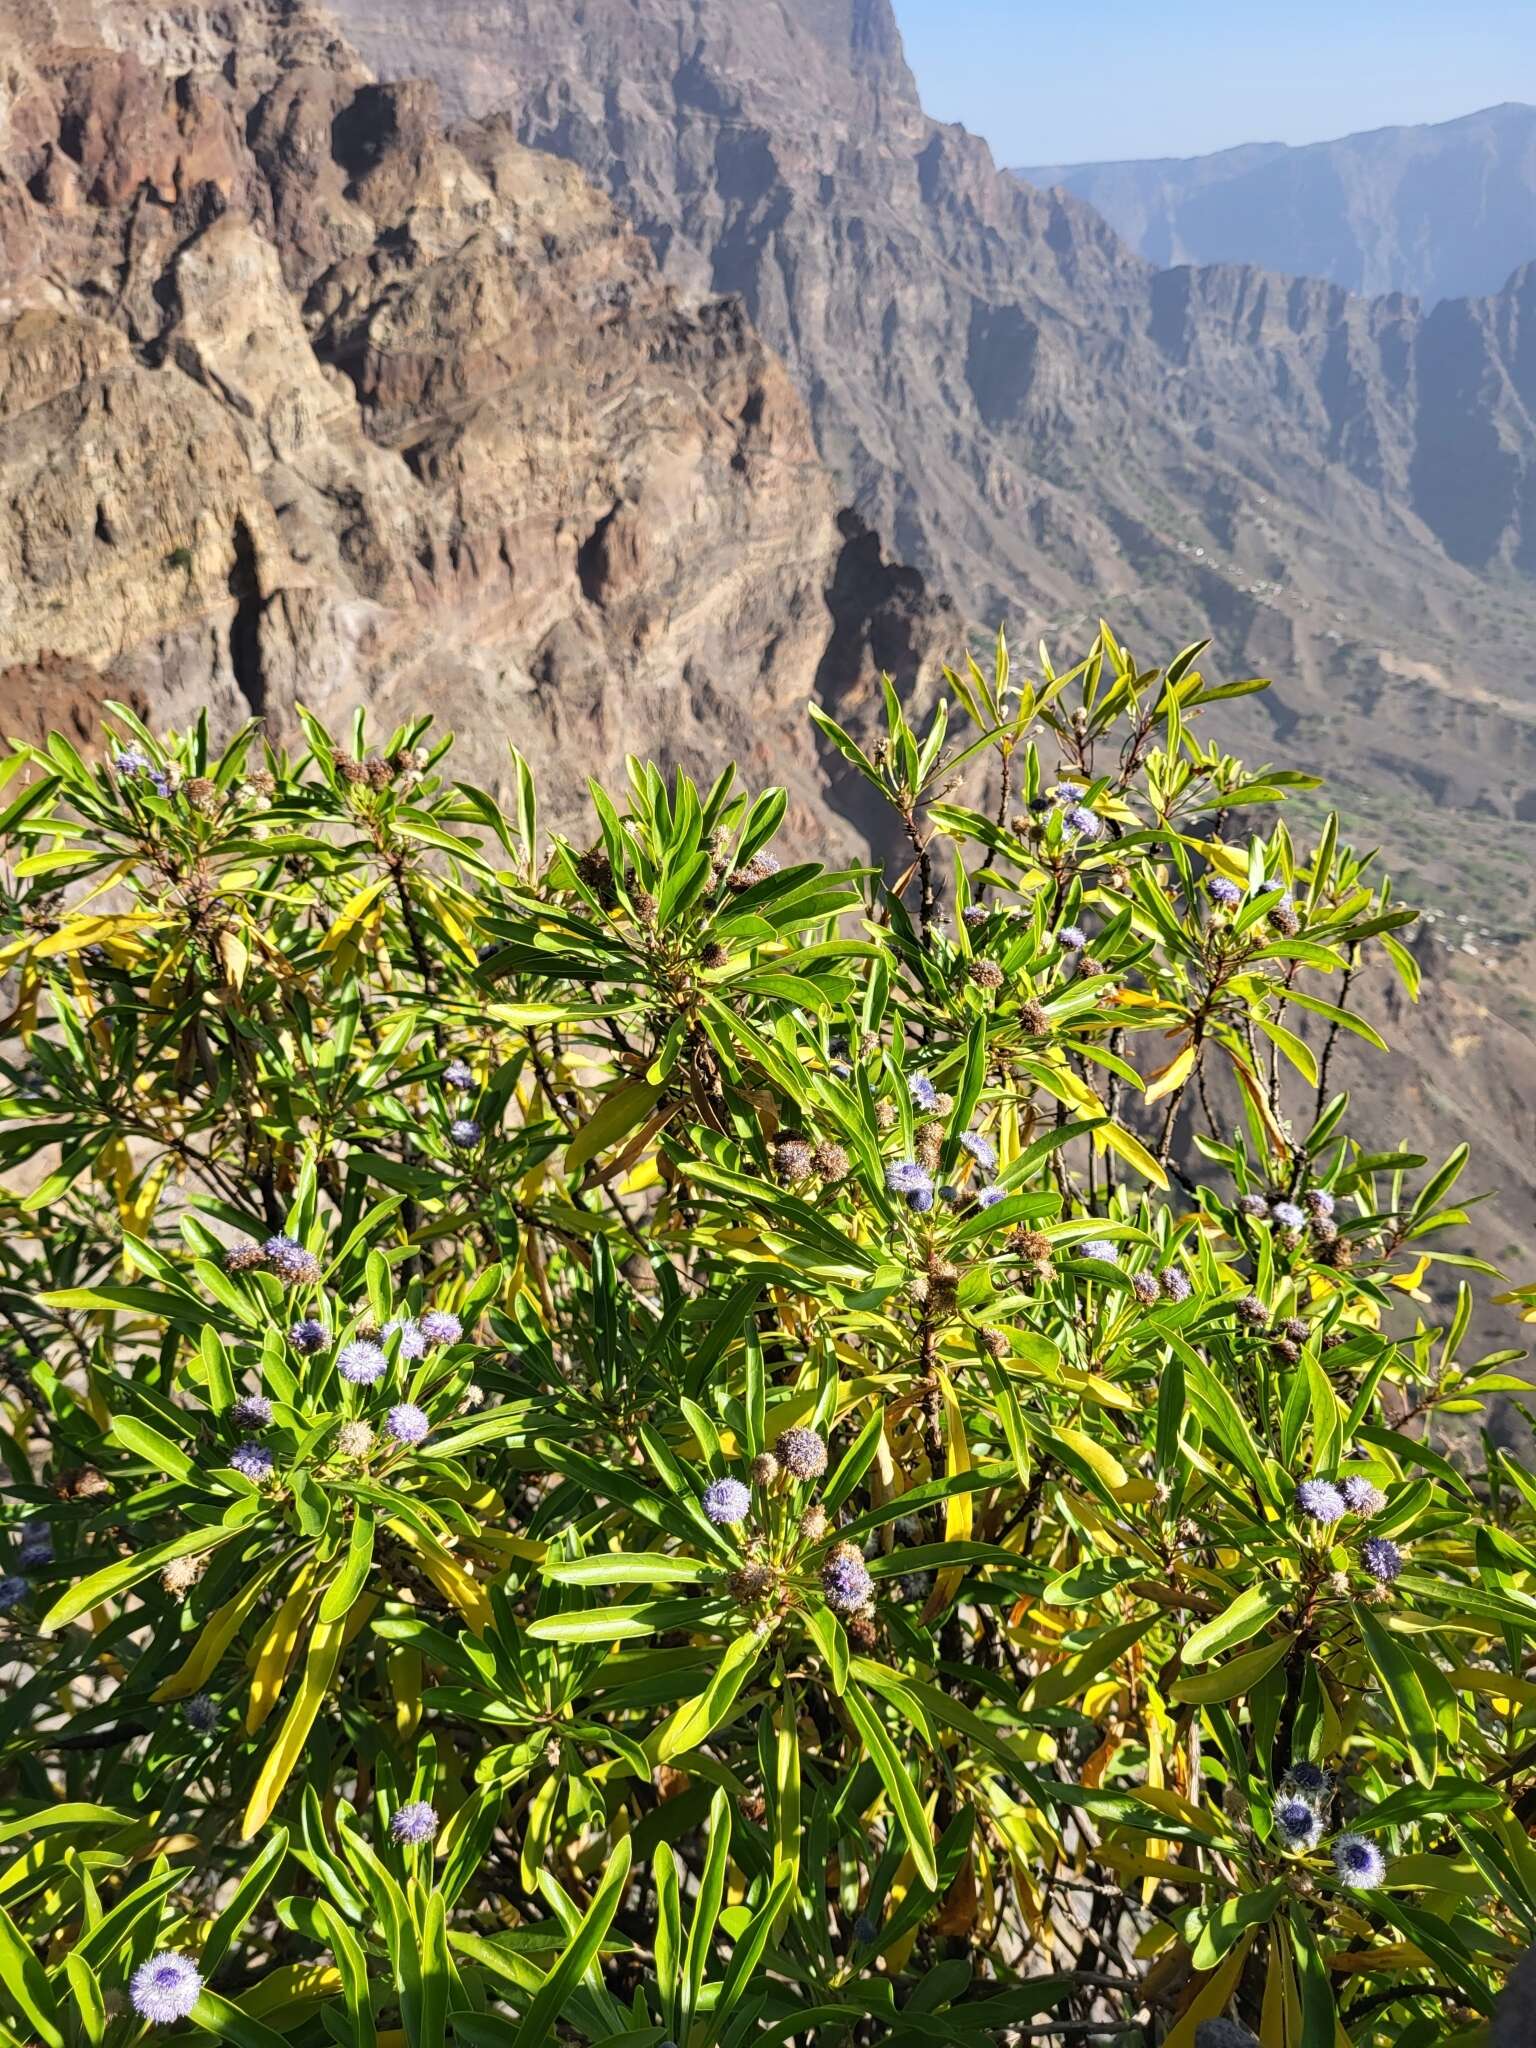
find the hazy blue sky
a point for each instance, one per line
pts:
(1066, 81)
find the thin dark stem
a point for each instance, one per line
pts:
(1333, 1034)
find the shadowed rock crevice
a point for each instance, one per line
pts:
(245, 627)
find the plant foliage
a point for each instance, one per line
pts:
(635, 1440)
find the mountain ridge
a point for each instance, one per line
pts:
(1439, 210)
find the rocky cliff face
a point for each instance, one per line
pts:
(1442, 211)
(355, 414)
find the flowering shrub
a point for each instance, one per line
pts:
(634, 1441)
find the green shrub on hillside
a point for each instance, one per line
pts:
(635, 1440)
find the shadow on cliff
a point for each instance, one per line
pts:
(885, 621)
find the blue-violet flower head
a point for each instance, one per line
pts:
(726, 1502)
(251, 1460)
(1361, 1496)
(292, 1264)
(166, 1988)
(1320, 1500)
(413, 1342)
(408, 1424)
(1359, 1862)
(1298, 1823)
(845, 1581)
(413, 1823)
(1381, 1558)
(361, 1362)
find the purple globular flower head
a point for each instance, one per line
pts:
(1288, 1216)
(413, 1343)
(1068, 793)
(1308, 1781)
(1175, 1283)
(361, 1362)
(413, 1823)
(802, 1452)
(1319, 1201)
(464, 1134)
(166, 1988)
(308, 1336)
(1381, 1558)
(905, 1177)
(292, 1264)
(1298, 1824)
(1252, 1205)
(200, 1713)
(988, 1198)
(13, 1591)
(441, 1326)
(1085, 823)
(251, 1411)
(1320, 1501)
(726, 1502)
(922, 1091)
(1359, 1862)
(1362, 1496)
(1073, 937)
(459, 1074)
(1145, 1287)
(408, 1424)
(36, 1545)
(251, 1460)
(1098, 1248)
(980, 1150)
(845, 1580)
(1224, 892)
(975, 913)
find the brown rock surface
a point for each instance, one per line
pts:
(302, 401)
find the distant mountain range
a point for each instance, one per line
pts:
(1444, 211)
